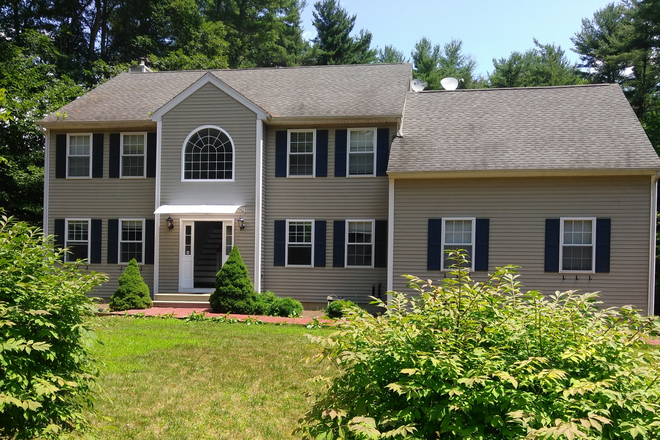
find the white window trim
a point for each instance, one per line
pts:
(561, 244)
(346, 243)
(183, 156)
(119, 240)
(474, 239)
(91, 153)
(89, 234)
(286, 253)
(121, 155)
(288, 153)
(348, 150)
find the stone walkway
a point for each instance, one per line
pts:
(182, 312)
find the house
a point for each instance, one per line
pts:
(335, 180)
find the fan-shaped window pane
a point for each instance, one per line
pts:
(209, 155)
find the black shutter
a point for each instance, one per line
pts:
(59, 232)
(482, 232)
(320, 227)
(434, 252)
(603, 234)
(60, 156)
(552, 245)
(380, 242)
(113, 241)
(97, 231)
(280, 243)
(151, 154)
(340, 154)
(280, 153)
(115, 155)
(338, 244)
(321, 153)
(97, 155)
(382, 151)
(149, 233)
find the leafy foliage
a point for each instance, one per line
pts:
(133, 292)
(336, 308)
(286, 307)
(487, 361)
(46, 372)
(233, 288)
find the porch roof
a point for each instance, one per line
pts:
(197, 209)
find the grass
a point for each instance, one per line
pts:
(169, 379)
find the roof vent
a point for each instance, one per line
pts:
(449, 83)
(140, 68)
(417, 85)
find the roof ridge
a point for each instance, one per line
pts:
(496, 89)
(278, 68)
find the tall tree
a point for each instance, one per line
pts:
(432, 63)
(391, 55)
(543, 65)
(334, 43)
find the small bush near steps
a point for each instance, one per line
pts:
(469, 360)
(336, 308)
(133, 292)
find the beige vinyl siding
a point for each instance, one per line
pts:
(321, 198)
(517, 209)
(207, 106)
(104, 199)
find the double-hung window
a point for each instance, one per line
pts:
(361, 152)
(457, 233)
(359, 243)
(301, 153)
(77, 239)
(133, 163)
(300, 239)
(79, 155)
(577, 250)
(131, 240)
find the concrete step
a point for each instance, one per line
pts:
(181, 304)
(183, 297)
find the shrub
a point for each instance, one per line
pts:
(46, 371)
(263, 302)
(335, 309)
(133, 292)
(286, 307)
(233, 289)
(486, 361)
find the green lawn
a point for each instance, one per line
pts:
(170, 379)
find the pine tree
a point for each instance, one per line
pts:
(133, 292)
(234, 292)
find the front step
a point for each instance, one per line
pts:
(182, 300)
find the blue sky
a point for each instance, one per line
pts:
(488, 29)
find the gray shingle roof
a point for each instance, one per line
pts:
(319, 91)
(544, 128)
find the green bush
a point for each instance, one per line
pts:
(46, 371)
(286, 307)
(335, 309)
(263, 302)
(133, 292)
(487, 361)
(233, 288)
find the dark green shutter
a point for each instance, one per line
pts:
(552, 229)
(319, 242)
(97, 233)
(149, 235)
(340, 153)
(382, 151)
(603, 236)
(115, 155)
(280, 153)
(380, 242)
(280, 243)
(321, 153)
(113, 241)
(59, 232)
(482, 232)
(339, 244)
(151, 154)
(434, 244)
(97, 155)
(60, 156)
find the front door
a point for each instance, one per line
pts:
(205, 246)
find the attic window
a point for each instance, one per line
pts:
(208, 154)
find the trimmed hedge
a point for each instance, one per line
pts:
(133, 292)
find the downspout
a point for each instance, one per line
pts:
(652, 242)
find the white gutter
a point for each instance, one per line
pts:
(46, 180)
(159, 133)
(652, 242)
(390, 241)
(258, 206)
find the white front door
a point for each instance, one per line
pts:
(194, 252)
(187, 256)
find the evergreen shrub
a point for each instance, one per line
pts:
(133, 292)
(472, 360)
(233, 292)
(286, 307)
(47, 373)
(335, 309)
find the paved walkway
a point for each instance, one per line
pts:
(182, 312)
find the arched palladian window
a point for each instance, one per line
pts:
(208, 154)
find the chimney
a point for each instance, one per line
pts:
(140, 68)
